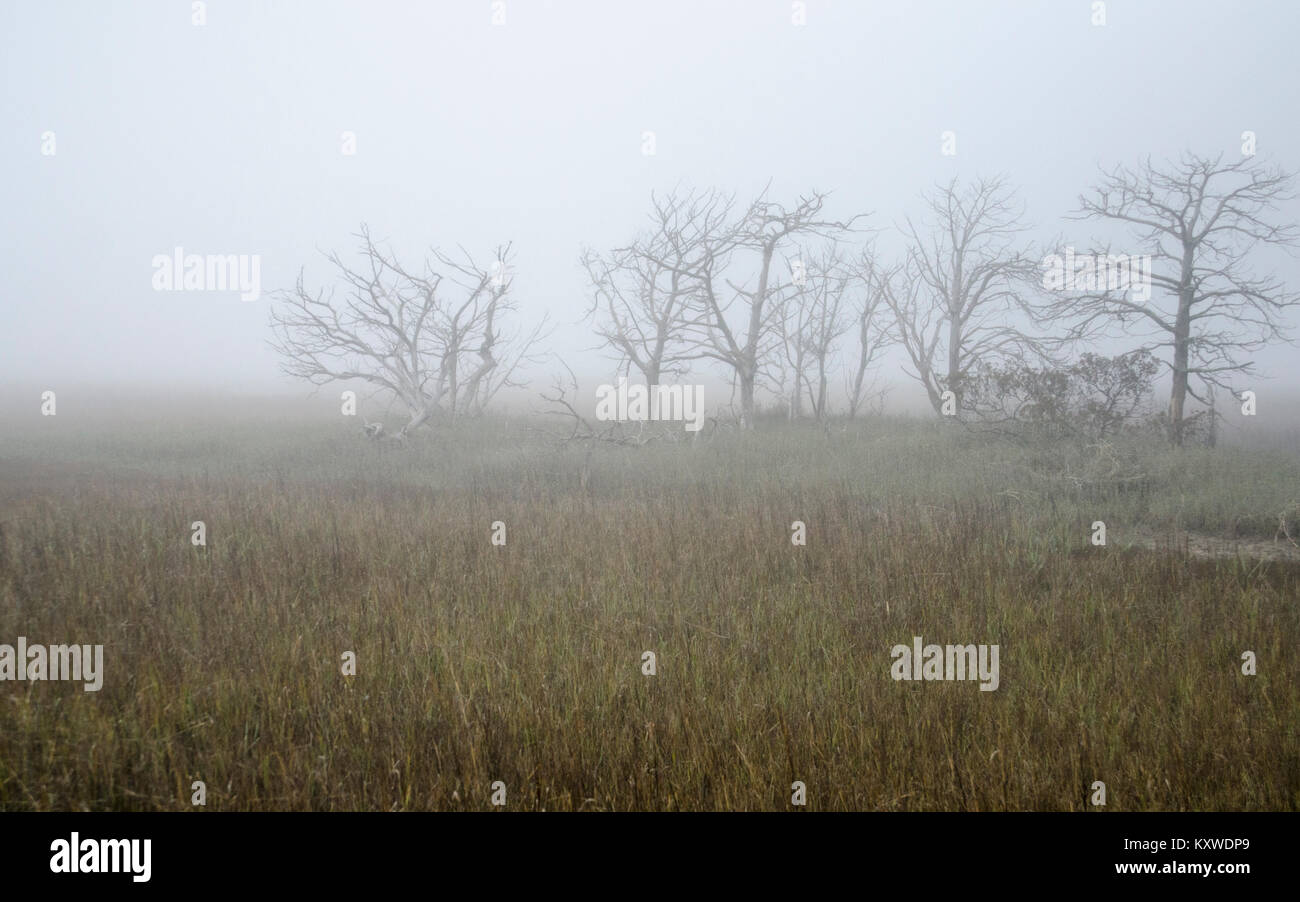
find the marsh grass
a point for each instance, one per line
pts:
(523, 663)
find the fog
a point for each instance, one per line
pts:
(225, 138)
(648, 405)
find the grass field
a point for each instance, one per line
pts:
(479, 663)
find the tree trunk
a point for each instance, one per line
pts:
(932, 389)
(1182, 336)
(746, 400)
(822, 388)
(418, 418)
(855, 399)
(1214, 420)
(796, 397)
(748, 373)
(954, 360)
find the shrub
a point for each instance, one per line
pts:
(1091, 398)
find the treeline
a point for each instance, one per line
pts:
(792, 305)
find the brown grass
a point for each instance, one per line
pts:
(523, 663)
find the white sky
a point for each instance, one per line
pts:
(225, 139)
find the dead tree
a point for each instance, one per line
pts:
(478, 358)
(407, 332)
(815, 317)
(641, 293)
(963, 281)
(1200, 220)
(741, 320)
(869, 326)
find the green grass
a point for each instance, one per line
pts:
(523, 664)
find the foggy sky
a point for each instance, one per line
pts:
(226, 139)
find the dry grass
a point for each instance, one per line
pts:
(522, 664)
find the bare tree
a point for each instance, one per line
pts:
(872, 333)
(814, 320)
(641, 293)
(403, 332)
(472, 335)
(741, 321)
(955, 296)
(795, 326)
(1199, 219)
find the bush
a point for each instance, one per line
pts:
(1092, 398)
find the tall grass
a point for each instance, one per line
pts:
(522, 663)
